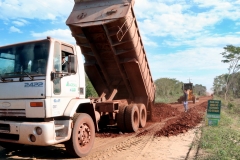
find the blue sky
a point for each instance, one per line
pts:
(183, 38)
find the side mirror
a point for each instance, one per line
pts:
(55, 75)
(72, 64)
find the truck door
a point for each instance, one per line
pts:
(65, 86)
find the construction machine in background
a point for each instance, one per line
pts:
(191, 97)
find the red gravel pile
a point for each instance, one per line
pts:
(161, 111)
(183, 122)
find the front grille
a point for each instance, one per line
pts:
(4, 128)
(12, 113)
(14, 137)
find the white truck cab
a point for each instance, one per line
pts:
(40, 97)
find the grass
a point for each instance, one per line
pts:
(167, 99)
(223, 141)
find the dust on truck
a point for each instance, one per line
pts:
(42, 103)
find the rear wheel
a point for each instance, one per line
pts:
(83, 135)
(142, 115)
(121, 118)
(132, 118)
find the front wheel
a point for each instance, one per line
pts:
(83, 135)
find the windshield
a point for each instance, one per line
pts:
(188, 86)
(24, 59)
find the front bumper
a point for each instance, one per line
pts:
(20, 132)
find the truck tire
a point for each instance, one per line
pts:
(132, 118)
(121, 118)
(142, 115)
(83, 135)
(11, 146)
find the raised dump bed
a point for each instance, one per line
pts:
(115, 58)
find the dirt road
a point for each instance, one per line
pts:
(169, 135)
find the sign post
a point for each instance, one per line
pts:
(213, 112)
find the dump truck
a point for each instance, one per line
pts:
(191, 97)
(43, 103)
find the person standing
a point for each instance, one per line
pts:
(185, 100)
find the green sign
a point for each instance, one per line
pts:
(213, 112)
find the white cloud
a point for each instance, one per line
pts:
(148, 42)
(46, 10)
(185, 28)
(177, 24)
(199, 64)
(14, 29)
(182, 19)
(207, 41)
(61, 34)
(219, 4)
(189, 60)
(20, 22)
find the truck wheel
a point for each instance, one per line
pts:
(132, 118)
(83, 135)
(11, 146)
(121, 118)
(142, 115)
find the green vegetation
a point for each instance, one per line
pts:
(90, 91)
(231, 55)
(223, 141)
(169, 90)
(219, 86)
(199, 90)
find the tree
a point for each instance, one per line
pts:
(200, 90)
(219, 84)
(90, 91)
(167, 87)
(231, 56)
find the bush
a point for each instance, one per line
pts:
(230, 105)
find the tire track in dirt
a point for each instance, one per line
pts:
(133, 146)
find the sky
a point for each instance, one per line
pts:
(183, 39)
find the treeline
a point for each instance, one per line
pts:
(167, 89)
(220, 82)
(227, 85)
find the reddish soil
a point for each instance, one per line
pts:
(147, 143)
(175, 120)
(183, 122)
(161, 111)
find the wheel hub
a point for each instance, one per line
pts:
(84, 134)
